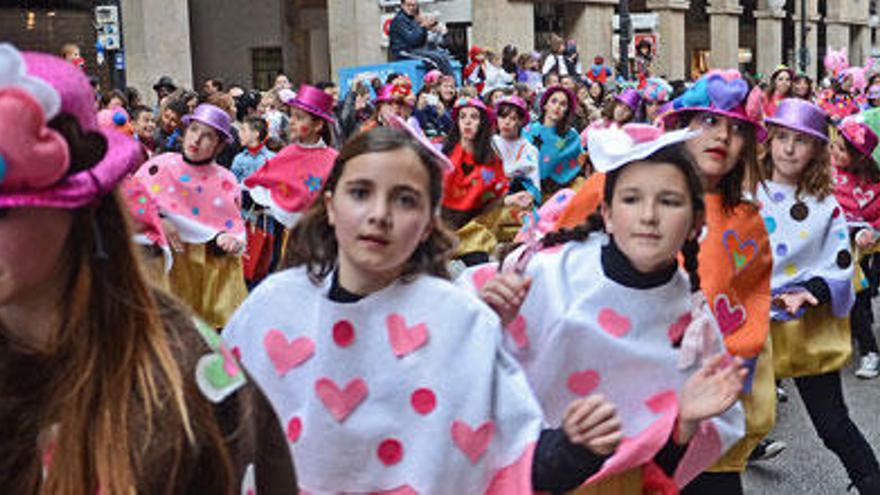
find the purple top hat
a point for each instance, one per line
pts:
(552, 89)
(802, 116)
(631, 98)
(212, 116)
(315, 101)
(859, 135)
(723, 93)
(516, 102)
(34, 158)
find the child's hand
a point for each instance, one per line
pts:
(229, 243)
(792, 302)
(505, 294)
(865, 238)
(522, 200)
(710, 391)
(171, 234)
(592, 422)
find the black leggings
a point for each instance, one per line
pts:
(861, 318)
(715, 484)
(823, 398)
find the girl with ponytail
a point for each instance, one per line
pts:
(604, 308)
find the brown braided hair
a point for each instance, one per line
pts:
(675, 155)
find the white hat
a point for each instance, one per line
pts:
(614, 147)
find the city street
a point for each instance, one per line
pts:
(807, 467)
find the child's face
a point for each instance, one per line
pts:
(31, 252)
(802, 87)
(71, 53)
(200, 142)
(552, 80)
(447, 90)
(651, 214)
(622, 113)
(469, 123)
(556, 106)
(839, 153)
(508, 125)
(791, 152)
(717, 149)
(304, 127)
(595, 90)
(170, 120)
(145, 125)
(782, 82)
(380, 211)
(249, 136)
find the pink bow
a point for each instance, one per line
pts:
(700, 338)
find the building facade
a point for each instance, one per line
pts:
(247, 42)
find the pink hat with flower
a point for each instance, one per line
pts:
(399, 90)
(517, 103)
(35, 159)
(859, 135)
(477, 103)
(720, 92)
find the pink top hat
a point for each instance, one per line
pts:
(315, 101)
(722, 93)
(859, 135)
(552, 89)
(516, 102)
(394, 92)
(213, 116)
(475, 103)
(34, 158)
(802, 116)
(631, 98)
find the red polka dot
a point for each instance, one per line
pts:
(343, 333)
(423, 401)
(390, 451)
(836, 212)
(294, 428)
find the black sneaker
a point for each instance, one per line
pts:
(767, 449)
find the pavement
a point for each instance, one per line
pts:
(807, 467)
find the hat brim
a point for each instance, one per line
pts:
(312, 110)
(227, 136)
(805, 130)
(604, 162)
(399, 123)
(79, 189)
(671, 118)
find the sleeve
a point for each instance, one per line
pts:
(670, 456)
(560, 465)
(819, 289)
(238, 168)
(549, 64)
(410, 32)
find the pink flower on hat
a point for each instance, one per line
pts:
(854, 131)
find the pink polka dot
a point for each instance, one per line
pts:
(423, 401)
(294, 429)
(583, 383)
(835, 212)
(343, 333)
(484, 274)
(390, 451)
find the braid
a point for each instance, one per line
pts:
(691, 250)
(580, 233)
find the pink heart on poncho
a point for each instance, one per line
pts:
(405, 340)
(729, 317)
(473, 443)
(517, 331)
(862, 197)
(32, 156)
(582, 383)
(287, 355)
(341, 402)
(613, 322)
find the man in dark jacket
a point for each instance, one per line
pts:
(408, 37)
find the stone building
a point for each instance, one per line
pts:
(248, 41)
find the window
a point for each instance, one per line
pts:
(266, 64)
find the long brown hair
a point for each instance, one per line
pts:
(815, 179)
(110, 374)
(313, 240)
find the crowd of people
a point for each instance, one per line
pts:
(545, 278)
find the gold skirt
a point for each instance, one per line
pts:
(760, 410)
(626, 483)
(814, 344)
(212, 286)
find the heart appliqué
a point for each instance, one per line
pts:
(287, 355)
(213, 378)
(405, 340)
(488, 175)
(677, 329)
(341, 402)
(473, 443)
(726, 95)
(582, 383)
(517, 331)
(614, 323)
(729, 317)
(484, 274)
(862, 197)
(741, 253)
(467, 168)
(35, 155)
